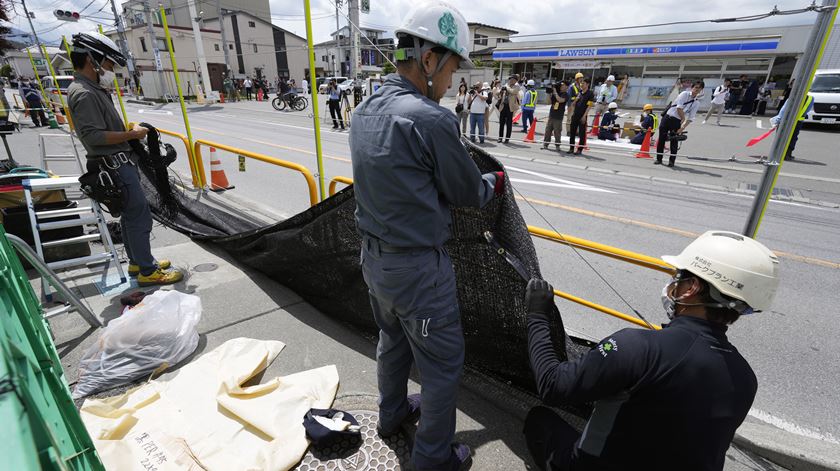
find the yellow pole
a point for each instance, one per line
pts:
(314, 94)
(57, 86)
(117, 88)
(37, 77)
(180, 94)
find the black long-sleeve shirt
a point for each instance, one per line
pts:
(669, 399)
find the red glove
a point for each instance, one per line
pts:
(500, 183)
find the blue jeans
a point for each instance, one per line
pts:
(527, 118)
(136, 221)
(477, 119)
(415, 304)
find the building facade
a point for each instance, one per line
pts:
(486, 39)
(332, 58)
(649, 65)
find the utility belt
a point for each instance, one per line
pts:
(102, 182)
(375, 245)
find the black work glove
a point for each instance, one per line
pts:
(539, 296)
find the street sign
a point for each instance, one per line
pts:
(365, 6)
(158, 63)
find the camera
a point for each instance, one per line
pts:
(672, 136)
(472, 92)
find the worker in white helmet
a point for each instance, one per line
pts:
(605, 94)
(410, 168)
(685, 387)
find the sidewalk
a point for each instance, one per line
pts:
(239, 302)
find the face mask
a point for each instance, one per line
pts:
(106, 79)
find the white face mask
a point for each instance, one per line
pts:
(669, 303)
(106, 78)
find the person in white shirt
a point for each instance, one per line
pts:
(249, 87)
(719, 97)
(305, 86)
(477, 105)
(678, 116)
(607, 93)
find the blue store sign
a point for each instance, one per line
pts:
(642, 51)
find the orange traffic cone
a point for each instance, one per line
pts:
(596, 123)
(259, 94)
(531, 131)
(644, 152)
(516, 118)
(218, 179)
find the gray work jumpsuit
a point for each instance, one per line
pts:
(409, 166)
(93, 113)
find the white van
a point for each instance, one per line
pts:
(826, 92)
(52, 90)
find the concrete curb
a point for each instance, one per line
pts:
(140, 102)
(792, 451)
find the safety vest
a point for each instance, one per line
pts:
(803, 112)
(655, 121)
(530, 99)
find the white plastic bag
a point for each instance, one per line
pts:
(160, 330)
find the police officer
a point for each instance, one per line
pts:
(529, 104)
(103, 134)
(678, 116)
(684, 388)
(410, 168)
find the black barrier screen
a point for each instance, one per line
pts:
(316, 254)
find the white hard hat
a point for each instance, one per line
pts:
(439, 23)
(738, 266)
(99, 46)
(613, 105)
(530, 82)
(611, 78)
(485, 85)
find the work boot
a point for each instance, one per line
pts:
(160, 277)
(134, 270)
(571, 151)
(459, 460)
(658, 161)
(410, 419)
(671, 162)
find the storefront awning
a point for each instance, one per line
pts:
(705, 48)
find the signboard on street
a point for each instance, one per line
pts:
(577, 65)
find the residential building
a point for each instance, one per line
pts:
(373, 50)
(485, 40)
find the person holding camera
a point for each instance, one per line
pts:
(577, 126)
(508, 105)
(558, 96)
(609, 126)
(678, 116)
(486, 88)
(335, 105)
(477, 105)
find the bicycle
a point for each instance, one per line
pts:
(294, 101)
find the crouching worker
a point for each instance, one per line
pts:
(609, 124)
(647, 123)
(103, 134)
(663, 399)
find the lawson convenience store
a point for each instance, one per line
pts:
(649, 65)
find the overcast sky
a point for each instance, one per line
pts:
(553, 16)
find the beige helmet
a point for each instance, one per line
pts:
(578, 75)
(647, 107)
(736, 265)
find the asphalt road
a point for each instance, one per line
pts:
(613, 198)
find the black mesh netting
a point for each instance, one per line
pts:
(316, 254)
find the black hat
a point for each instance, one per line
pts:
(321, 435)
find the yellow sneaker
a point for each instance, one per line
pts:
(134, 270)
(160, 277)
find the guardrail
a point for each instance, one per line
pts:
(310, 180)
(590, 246)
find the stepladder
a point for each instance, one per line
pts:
(87, 214)
(71, 163)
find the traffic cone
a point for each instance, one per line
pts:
(596, 123)
(644, 151)
(52, 121)
(221, 97)
(259, 94)
(516, 118)
(531, 131)
(218, 179)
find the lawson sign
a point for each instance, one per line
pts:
(642, 51)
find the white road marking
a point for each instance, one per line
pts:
(575, 186)
(547, 177)
(758, 124)
(792, 427)
(162, 112)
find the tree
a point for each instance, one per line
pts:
(388, 68)
(5, 45)
(6, 71)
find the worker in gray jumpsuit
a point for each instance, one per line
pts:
(409, 168)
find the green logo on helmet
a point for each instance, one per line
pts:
(449, 28)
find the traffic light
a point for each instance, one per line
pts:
(66, 15)
(365, 6)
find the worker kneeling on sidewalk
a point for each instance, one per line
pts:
(663, 400)
(409, 167)
(103, 134)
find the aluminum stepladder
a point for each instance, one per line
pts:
(88, 215)
(47, 158)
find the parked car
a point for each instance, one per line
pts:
(826, 92)
(52, 90)
(344, 84)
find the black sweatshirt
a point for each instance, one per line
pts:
(668, 399)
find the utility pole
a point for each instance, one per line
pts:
(34, 34)
(123, 43)
(337, 70)
(224, 38)
(808, 63)
(150, 31)
(199, 48)
(355, 57)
